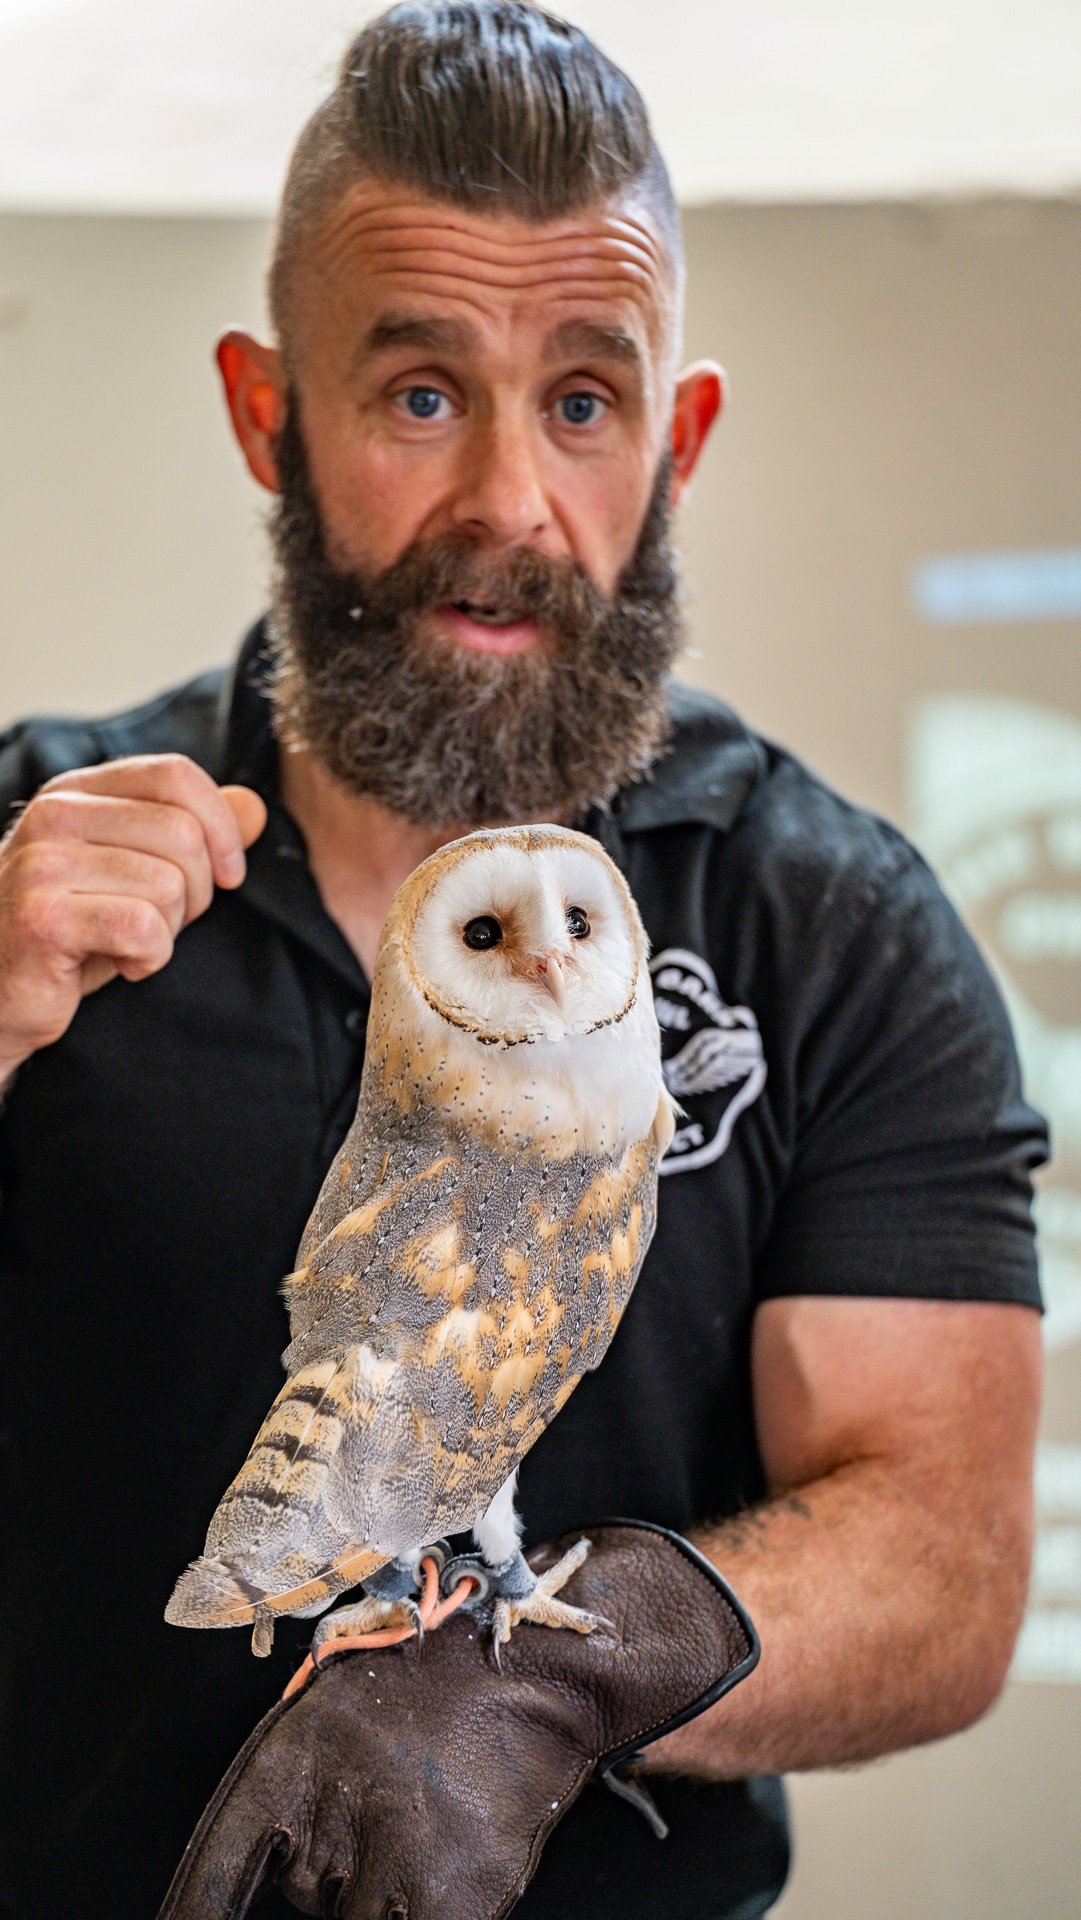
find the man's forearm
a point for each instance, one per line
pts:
(883, 1623)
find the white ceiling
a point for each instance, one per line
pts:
(190, 106)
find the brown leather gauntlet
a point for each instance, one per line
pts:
(421, 1783)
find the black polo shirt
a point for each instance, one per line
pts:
(853, 1125)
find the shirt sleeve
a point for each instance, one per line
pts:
(912, 1169)
(32, 751)
(16, 778)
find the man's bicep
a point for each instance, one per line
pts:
(946, 1392)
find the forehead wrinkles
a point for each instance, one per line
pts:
(595, 258)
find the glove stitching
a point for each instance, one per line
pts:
(538, 1838)
(226, 1784)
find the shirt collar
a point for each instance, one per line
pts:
(707, 773)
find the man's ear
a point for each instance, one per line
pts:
(254, 382)
(700, 396)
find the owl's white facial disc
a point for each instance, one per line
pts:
(528, 943)
(511, 996)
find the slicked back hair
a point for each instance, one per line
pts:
(493, 105)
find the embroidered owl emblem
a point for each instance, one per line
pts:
(473, 1246)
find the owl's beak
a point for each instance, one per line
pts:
(549, 972)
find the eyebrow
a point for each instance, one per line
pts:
(433, 334)
(593, 339)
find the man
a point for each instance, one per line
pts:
(829, 1370)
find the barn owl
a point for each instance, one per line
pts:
(472, 1248)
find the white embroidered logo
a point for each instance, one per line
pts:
(713, 1060)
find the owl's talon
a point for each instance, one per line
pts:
(542, 1612)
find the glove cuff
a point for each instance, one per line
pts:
(725, 1680)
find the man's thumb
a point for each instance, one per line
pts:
(250, 811)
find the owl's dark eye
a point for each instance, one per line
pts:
(483, 932)
(577, 924)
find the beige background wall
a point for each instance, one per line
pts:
(904, 383)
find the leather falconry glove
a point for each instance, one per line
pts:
(420, 1782)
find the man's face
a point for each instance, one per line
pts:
(506, 382)
(475, 603)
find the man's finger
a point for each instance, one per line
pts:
(118, 872)
(96, 972)
(62, 929)
(175, 780)
(130, 933)
(70, 820)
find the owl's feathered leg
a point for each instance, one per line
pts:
(517, 1593)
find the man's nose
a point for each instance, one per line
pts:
(501, 494)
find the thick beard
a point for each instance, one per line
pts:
(445, 736)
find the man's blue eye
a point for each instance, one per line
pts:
(423, 402)
(579, 408)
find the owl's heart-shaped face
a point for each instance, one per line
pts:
(530, 935)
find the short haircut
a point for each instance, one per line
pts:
(490, 104)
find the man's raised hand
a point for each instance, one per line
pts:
(98, 874)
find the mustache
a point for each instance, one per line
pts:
(521, 584)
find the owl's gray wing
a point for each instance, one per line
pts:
(384, 1190)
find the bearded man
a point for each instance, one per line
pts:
(472, 422)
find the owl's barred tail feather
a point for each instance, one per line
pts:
(211, 1593)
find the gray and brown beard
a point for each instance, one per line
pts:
(397, 710)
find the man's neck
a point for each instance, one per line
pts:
(359, 851)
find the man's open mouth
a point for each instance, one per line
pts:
(488, 614)
(487, 626)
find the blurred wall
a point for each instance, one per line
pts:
(904, 386)
(130, 549)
